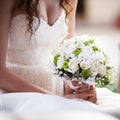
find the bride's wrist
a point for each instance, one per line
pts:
(67, 89)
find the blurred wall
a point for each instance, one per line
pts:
(102, 11)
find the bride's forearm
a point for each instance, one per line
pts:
(13, 83)
(67, 89)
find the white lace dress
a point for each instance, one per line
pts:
(30, 59)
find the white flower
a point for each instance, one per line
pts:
(88, 49)
(107, 61)
(85, 65)
(100, 57)
(70, 49)
(60, 62)
(85, 56)
(102, 70)
(85, 38)
(95, 67)
(73, 65)
(59, 50)
(84, 53)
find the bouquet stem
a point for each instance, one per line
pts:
(72, 86)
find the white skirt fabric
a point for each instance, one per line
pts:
(37, 102)
(108, 102)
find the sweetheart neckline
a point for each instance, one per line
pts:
(41, 19)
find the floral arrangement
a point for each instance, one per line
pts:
(80, 58)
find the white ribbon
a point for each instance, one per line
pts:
(72, 86)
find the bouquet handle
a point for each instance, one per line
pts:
(72, 86)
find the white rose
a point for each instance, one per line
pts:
(107, 60)
(83, 56)
(89, 49)
(102, 70)
(95, 67)
(85, 65)
(100, 57)
(73, 66)
(60, 62)
(84, 37)
(70, 49)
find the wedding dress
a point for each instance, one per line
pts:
(30, 59)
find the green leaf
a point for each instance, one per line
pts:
(90, 41)
(86, 43)
(77, 52)
(56, 59)
(65, 64)
(86, 73)
(111, 87)
(95, 48)
(109, 68)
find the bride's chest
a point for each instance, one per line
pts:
(45, 35)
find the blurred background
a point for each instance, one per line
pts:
(101, 19)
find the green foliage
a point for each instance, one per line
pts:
(56, 59)
(87, 43)
(63, 72)
(77, 52)
(95, 48)
(111, 87)
(65, 64)
(86, 73)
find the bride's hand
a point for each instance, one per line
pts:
(91, 88)
(68, 90)
(85, 92)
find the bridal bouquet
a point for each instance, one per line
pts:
(80, 58)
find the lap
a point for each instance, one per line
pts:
(33, 102)
(108, 102)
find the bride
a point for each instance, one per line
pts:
(29, 31)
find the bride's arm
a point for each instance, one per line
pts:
(71, 19)
(83, 93)
(10, 81)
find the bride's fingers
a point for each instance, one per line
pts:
(75, 83)
(82, 95)
(81, 85)
(92, 99)
(81, 90)
(85, 88)
(92, 87)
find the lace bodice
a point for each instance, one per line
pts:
(25, 51)
(30, 58)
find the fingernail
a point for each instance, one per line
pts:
(74, 92)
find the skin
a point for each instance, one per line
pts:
(14, 83)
